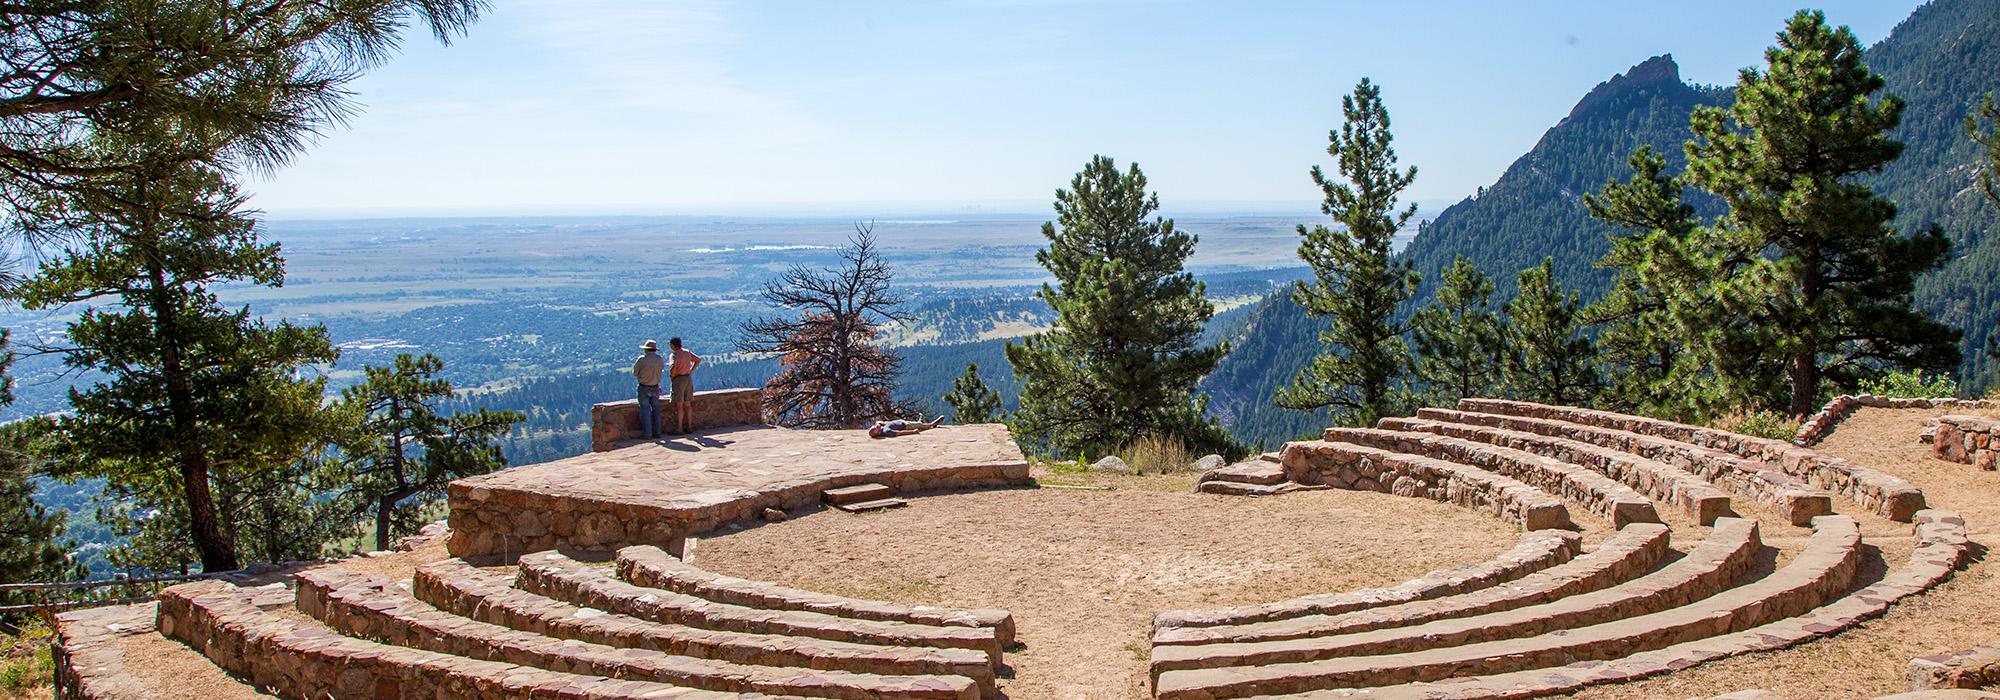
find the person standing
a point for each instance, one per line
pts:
(682, 376)
(647, 371)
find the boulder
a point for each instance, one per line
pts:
(1208, 462)
(1111, 464)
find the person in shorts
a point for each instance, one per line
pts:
(900, 427)
(681, 376)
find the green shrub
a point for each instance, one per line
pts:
(1763, 424)
(1912, 385)
(25, 663)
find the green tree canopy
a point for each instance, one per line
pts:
(1357, 285)
(30, 548)
(1549, 360)
(1815, 277)
(1122, 361)
(971, 400)
(1458, 337)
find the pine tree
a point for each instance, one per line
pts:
(402, 453)
(1641, 341)
(1458, 337)
(1357, 285)
(1549, 360)
(832, 374)
(1122, 361)
(1807, 257)
(971, 400)
(30, 536)
(1988, 137)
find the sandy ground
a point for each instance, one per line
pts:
(1869, 660)
(1084, 571)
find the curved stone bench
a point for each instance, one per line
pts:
(456, 587)
(1770, 486)
(568, 580)
(1978, 667)
(653, 567)
(1710, 568)
(1825, 567)
(1537, 550)
(1941, 547)
(1621, 557)
(373, 607)
(1885, 494)
(1597, 493)
(1659, 480)
(1350, 466)
(301, 660)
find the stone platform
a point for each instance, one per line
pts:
(658, 492)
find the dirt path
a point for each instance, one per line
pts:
(1084, 571)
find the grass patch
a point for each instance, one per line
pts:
(1763, 424)
(25, 663)
(1156, 454)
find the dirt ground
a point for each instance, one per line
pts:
(1083, 571)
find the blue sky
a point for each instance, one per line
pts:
(948, 106)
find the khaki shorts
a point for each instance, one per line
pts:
(683, 388)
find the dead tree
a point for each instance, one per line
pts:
(831, 372)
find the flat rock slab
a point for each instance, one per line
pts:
(659, 492)
(857, 494)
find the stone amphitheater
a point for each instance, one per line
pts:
(1640, 549)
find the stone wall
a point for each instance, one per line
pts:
(1843, 406)
(619, 420)
(1358, 468)
(1967, 440)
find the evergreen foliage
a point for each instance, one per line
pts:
(832, 373)
(1123, 360)
(971, 400)
(29, 534)
(1548, 359)
(401, 452)
(1809, 276)
(1459, 339)
(1357, 286)
(1988, 138)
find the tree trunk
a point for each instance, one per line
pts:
(1805, 382)
(217, 552)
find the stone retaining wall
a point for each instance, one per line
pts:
(717, 408)
(1837, 410)
(1597, 493)
(1967, 440)
(1368, 469)
(1978, 667)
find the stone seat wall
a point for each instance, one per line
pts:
(1356, 467)
(1623, 556)
(1710, 568)
(1597, 493)
(1538, 550)
(613, 422)
(1663, 482)
(1967, 440)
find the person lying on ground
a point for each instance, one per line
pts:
(900, 427)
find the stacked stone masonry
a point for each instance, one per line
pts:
(1967, 440)
(1663, 482)
(1348, 466)
(1978, 667)
(1769, 486)
(1598, 494)
(617, 422)
(1886, 495)
(1820, 424)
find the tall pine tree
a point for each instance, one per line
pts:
(1357, 285)
(1807, 258)
(29, 534)
(1549, 360)
(1458, 337)
(1122, 361)
(971, 400)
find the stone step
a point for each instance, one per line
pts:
(1537, 551)
(1887, 495)
(457, 587)
(93, 644)
(378, 608)
(1770, 486)
(856, 494)
(1661, 481)
(1621, 557)
(1358, 467)
(1597, 493)
(1729, 551)
(1237, 488)
(878, 504)
(1822, 570)
(568, 580)
(652, 567)
(1258, 471)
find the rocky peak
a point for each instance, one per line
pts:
(1658, 72)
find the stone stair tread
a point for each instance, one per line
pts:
(857, 493)
(1257, 471)
(877, 504)
(1237, 488)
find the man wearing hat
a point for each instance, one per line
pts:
(648, 370)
